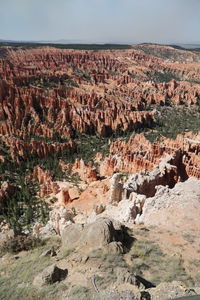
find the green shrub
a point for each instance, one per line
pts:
(21, 243)
(173, 121)
(23, 208)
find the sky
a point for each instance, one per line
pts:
(101, 21)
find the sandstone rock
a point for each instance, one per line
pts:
(116, 188)
(74, 193)
(59, 219)
(71, 235)
(87, 173)
(94, 193)
(124, 276)
(127, 210)
(86, 111)
(50, 275)
(49, 252)
(97, 235)
(44, 178)
(138, 154)
(114, 248)
(65, 197)
(172, 206)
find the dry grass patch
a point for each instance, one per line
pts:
(16, 276)
(149, 261)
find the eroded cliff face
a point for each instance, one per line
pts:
(49, 97)
(139, 154)
(52, 94)
(65, 118)
(136, 166)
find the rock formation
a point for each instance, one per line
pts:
(178, 207)
(45, 180)
(87, 173)
(59, 219)
(50, 275)
(138, 154)
(145, 182)
(116, 188)
(47, 93)
(101, 234)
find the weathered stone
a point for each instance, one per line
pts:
(116, 188)
(169, 206)
(59, 219)
(114, 248)
(50, 275)
(71, 235)
(99, 234)
(138, 154)
(49, 252)
(124, 276)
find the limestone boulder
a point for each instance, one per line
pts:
(114, 248)
(100, 234)
(71, 235)
(125, 276)
(59, 219)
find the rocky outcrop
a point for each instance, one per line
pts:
(101, 234)
(45, 180)
(145, 182)
(47, 94)
(125, 276)
(127, 210)
(116, 188)
(177, 207)
(138, 154)
(59, 219)
(87, 173)
(64, 197)
(99, 209)
(20, 150)
(50, 275)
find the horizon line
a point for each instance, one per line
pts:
(80, 42)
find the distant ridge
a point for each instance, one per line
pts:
(80, 45)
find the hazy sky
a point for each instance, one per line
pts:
(125, 21)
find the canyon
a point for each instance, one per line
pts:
(101, 137)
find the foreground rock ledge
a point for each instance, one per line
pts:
(101, 234)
